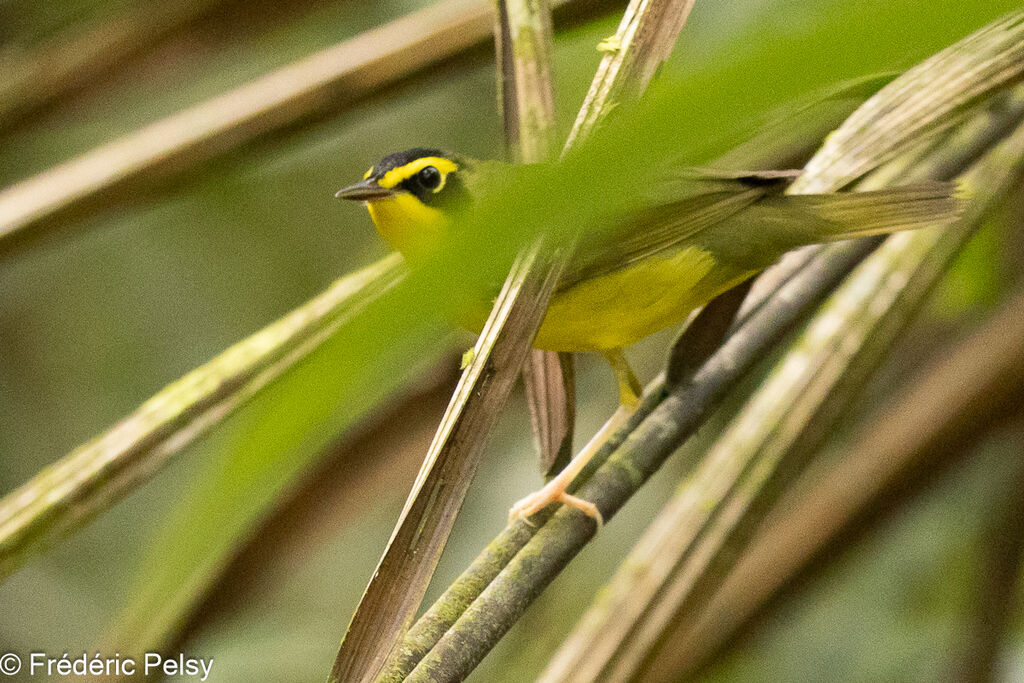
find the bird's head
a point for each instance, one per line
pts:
(412, 196)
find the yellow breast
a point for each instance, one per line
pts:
(621, 308)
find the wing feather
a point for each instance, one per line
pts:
(690, 202)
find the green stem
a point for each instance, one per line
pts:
(96, 475)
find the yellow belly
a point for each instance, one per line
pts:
(623, 307)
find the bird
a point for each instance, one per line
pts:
(706, 231)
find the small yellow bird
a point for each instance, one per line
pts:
(716, 230)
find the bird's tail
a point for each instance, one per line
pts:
(845, 215)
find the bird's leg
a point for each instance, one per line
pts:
(555, 491)
(629, 386)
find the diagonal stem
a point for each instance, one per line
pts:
(94, 476)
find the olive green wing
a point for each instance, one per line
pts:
(743, 219)
(690, 202)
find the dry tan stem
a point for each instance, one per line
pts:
(644, 40)
(404, 571)
(70, 61)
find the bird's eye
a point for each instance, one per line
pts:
(429, 177)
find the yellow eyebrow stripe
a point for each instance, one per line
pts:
(395, 176)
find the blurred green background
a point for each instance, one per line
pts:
(149, 287)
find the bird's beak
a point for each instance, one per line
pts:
(364, 191)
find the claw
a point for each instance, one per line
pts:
(585, 506)
(538, 500)
(526, 507)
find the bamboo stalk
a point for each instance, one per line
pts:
(525, 78)
(527, 103)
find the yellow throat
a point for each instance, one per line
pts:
(408, 225)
